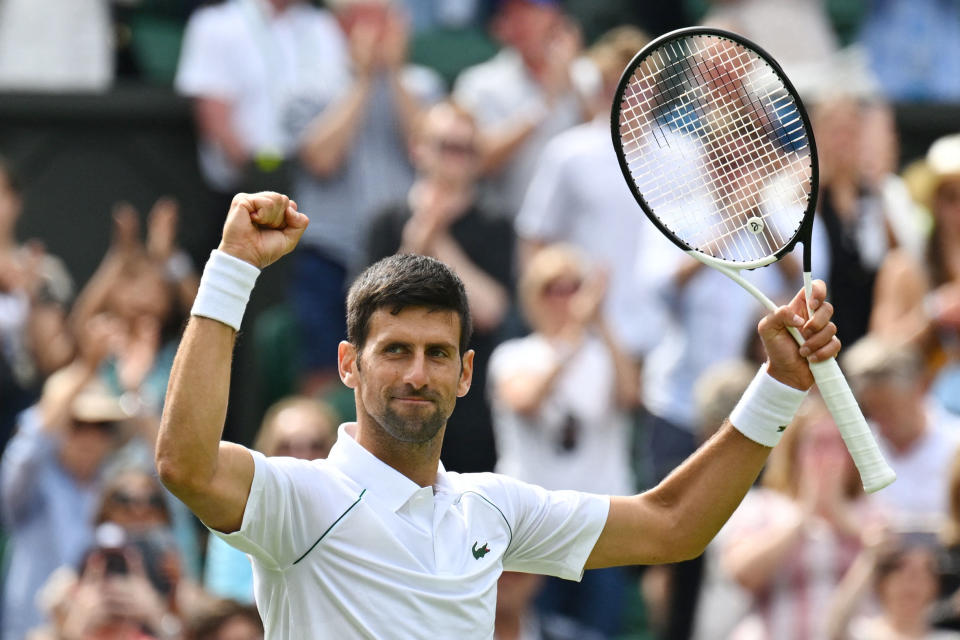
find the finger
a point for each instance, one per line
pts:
(821, 318)
(818, 293)
(818, 340)
(777, 321)
(830, 350)
(95, 568)
(294, 219)
(269, 209)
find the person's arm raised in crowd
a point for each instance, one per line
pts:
(211, 477)
(214, 120)
(327, 140)
(124, 244)
(675, 520)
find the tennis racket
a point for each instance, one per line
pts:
(718, 151)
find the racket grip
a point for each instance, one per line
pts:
(875, 473)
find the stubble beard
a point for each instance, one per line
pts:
(409, 429)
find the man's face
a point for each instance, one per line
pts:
(409, 373)
(448, 146)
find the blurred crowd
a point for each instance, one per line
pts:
(477, 132)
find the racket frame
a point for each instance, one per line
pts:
(874, 471)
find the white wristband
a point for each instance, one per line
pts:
(766, 408)
(225, 289)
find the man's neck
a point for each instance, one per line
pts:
(417, 461)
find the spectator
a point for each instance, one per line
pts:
(142, 290)
(352, 127)
(524, 95)
(145, 290)
(792, 541)
(918, 302)
(914, 48)
(798, 34)
(918, 442)
(903, 573)
(442, 218)
(35, 290)
(298, 427)
(66, 45)
(111, 599)
(227, 621)
(518, 619)
(850, 210)
(49, 478)
(946, 613)
(577, 195)
(561, 398)
(242, 141)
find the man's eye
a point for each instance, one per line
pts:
(438, 353)
(394, 348)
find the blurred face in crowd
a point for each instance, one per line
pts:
(837, 127)
(375, 15)
(553, 278)
(238, 628)
(302, 433)
(909, 585)
(528, 27)
(86, 445)
(447, 148)
(894, 405)
(143, 292)
(134, 501)
(821, 451)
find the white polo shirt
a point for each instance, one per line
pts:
(348, 547)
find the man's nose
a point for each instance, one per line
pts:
(416, 373)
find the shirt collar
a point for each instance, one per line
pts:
(388, 485)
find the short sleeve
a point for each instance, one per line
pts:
(291, 503)
(553, 532)
(206, 67)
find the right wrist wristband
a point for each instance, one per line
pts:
(766, 408)
(225, 289)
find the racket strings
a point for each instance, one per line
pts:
(736, 139)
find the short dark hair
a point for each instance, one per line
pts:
(401, 281)
(9, 174)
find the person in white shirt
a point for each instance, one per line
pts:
(917, 438)
(380, 540)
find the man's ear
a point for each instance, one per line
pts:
(347, 358)
(466, 373)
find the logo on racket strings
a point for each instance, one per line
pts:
(755, 225)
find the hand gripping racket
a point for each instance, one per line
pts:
(718, 150)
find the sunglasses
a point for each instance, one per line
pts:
(561, 287)
(127, 500)
(102, 426)
(285, 447)
(455, 148)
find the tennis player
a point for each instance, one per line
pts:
(379, 540)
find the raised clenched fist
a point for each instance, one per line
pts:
(262, 227)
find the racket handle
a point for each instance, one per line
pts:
(875, 473)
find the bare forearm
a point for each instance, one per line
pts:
(214, 122)
(498, 145)
(753, 560)
(329, 136)
(488, 299)
(678, 518)
(626, 370)
(196, 404)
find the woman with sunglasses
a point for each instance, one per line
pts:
(561, 398)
